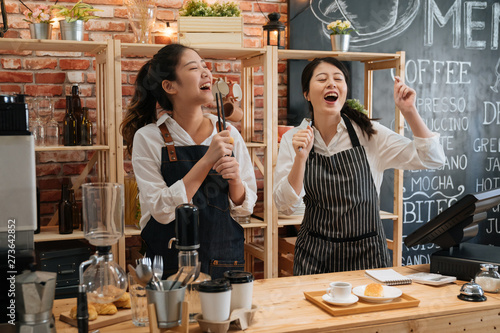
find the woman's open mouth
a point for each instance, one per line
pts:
(331, 97)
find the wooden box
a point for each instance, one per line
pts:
(196, 31)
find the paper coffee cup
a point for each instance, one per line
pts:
(242, 284)
(215, 296)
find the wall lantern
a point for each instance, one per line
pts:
(274, 31)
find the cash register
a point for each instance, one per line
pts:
(451, 229)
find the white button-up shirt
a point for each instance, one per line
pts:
(385, 150)
(159, 200)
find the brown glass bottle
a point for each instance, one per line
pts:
(69, 125)
(75, 210)
(86, 128)
(76, 107)
(65, 212)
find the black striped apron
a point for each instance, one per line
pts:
(341, 229)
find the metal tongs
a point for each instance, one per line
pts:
(220, 111)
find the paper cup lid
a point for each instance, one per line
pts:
(214, 286)
(238, 276)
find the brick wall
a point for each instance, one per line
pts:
(53, 74)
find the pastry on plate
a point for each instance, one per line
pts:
(374, 290)
(123, 302)
(105, 309)
(91, 309)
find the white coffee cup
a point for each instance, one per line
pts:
(242, 284)
(215, 296)
(339, 290)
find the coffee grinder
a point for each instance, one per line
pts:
(18, 221)
(187, 242)
(104, 281)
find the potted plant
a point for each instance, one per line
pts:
(200, 24)
(340, 35)
(40, 22)
(74, 17)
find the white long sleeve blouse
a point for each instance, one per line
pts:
(159, 200)
(385, 150)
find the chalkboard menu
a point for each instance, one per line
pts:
(453, 62)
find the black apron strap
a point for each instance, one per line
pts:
(351, 131)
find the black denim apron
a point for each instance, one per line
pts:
(221, 237)
(341, 230)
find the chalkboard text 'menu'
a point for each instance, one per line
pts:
(465, 23)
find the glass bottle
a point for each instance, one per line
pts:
(69, 125)
(488, 278)
(74, 209)
(86, 128)
(65, 212)
(76, 106)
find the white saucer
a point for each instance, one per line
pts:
(390, 293)
(342, 302)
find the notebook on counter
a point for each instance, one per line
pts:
(388, 276)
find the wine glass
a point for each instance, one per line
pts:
(37, 128)
(51, 125)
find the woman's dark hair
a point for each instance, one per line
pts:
(149, 91)
(359, 118)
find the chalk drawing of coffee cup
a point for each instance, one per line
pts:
(372, 27)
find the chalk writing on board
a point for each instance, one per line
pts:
(496, 87)
(373, 27)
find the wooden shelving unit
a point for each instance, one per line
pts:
(372, 62)
(249, 58)
(109, 147)
(106, 155)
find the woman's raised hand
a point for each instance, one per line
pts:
(221, 145)
(229, 168)
(404, 96)
(303, 141)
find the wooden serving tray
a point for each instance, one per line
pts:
(404, 301)
(102, 320)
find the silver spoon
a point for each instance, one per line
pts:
(144, 272)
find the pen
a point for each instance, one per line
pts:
(310, 124)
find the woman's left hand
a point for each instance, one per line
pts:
(229, 168)
(404, 96)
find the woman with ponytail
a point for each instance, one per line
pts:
(335, 164)
(179, 157)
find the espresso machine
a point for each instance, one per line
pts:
(26, 303)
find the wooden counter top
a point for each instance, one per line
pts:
(283, 308)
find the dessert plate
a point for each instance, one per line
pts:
(341, 302)
(390, 293)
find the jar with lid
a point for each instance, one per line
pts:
(488, 278)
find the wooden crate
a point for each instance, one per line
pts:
(197, 31)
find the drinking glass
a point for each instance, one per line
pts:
(37, 128)
(139, 302)
(51, 126)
